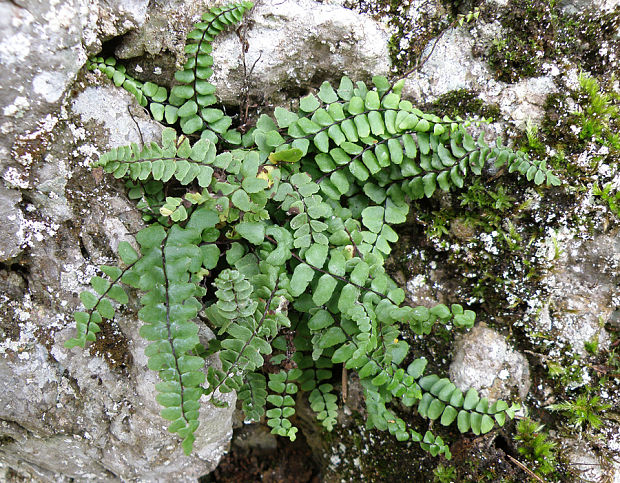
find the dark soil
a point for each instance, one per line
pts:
(289, 463)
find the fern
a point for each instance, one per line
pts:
(291, 224)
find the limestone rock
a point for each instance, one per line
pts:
(11, 220)
(483, 360)
(576, 6)
(291, 45)
(255, 438)
(582, 289)
(589, 465)
(302, 42)
(85, 414)
(451, 65)
(42, 47)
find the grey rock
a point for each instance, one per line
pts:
(484, 361)
(587, 463)
(451, 66)
(116, 110)
(255, 438)
(582, 289)
(43, 45)
(291, 45)
(82, 414)
(11, 224)
(299, 43)
(86, 414)
(165, 29)
(576, 6)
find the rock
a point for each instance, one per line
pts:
(451, 66)
(42, 47)
(576, 6)
(255, 438)
(582, 288)
(589, 465)
(483, 360)
(11, 224)
(292, 45)
(155, 50)
(81, 414)
(49, 42)
(85, 414)
(116, 110)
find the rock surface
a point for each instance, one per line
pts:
(483, 360)
(291, 45)
(92, 414)
(42, 47)
(582, 289)
(87, 415)
(450, 65)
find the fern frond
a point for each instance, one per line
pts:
(99, 306)
(293, 230)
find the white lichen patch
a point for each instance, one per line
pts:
(21, 311)
(14, 49)
(17, 108)
(35, 231)
(74, 277)
(109, 107)
(15, 178)
(50, 85)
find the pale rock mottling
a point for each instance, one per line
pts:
(68, 414)
(11, 219)
(110, 107)
(452, 66)
(590, 465)
(583, 287)
(299, 43)
(576, 6)
(484, 361)
(50, 85)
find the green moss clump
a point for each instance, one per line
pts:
(464, 103)
(537, 32)
(412, 33)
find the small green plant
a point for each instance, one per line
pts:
(535, 447)
(278, 238)
(444, 474)
(583, 412)
(598, 116)
(534, 143)
(609, 195)
(591, 346)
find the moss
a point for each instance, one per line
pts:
(411, 32)
(537, 31)
(464, 103)
(556, 124)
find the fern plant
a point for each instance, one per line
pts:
(277, 238)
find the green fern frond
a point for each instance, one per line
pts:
(292, 231)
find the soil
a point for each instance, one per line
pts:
(291, 462)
